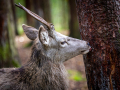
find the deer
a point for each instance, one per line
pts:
(45, 69)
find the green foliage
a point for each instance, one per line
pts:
(21, 16)
(75, 75)
(5, 56)
(119, 30)
(29, 44)
(19, 12)
(20, 29)
(15, 63)
(4, 52)
(59, 13)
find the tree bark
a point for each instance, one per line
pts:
(73, 23)
(42, 8)
(46, 10)
(99, 24)
(39, 11)
(8, 53)
(14, 16)
(29, 5)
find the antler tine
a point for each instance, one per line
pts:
(34, 15)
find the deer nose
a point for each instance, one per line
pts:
(88, 44)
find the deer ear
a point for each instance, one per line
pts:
(43, 36)
(30, 32)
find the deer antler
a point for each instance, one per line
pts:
(35, 16)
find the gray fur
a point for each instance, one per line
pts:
(30, 32)
(45, 69)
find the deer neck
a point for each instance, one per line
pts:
(43, 73)
(45, 67)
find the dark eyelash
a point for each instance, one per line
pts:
(63, 42)
(68, 39)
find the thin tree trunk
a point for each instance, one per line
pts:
(73, 23)
(46, 10)
(14, 16)
(29, 5)
(42, 8)
(99, 25)
(38, 10)
(8, 53)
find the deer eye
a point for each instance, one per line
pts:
(68, 39)
(63, 42)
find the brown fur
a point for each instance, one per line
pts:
(40, 73)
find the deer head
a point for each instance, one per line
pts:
(54, 45)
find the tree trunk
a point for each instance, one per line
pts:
(42, 8)
(99, 25)
(38, 10)
(73, 23)
(46, 10)
(8, 53)
(29, 5)
(14, 16)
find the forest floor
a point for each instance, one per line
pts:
(74, 66)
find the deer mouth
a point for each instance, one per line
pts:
(86, 51)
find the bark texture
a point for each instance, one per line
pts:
(42, 8)
(99, 22)
(46, 10)
(14, 16)
(29, 5)
(8, 53)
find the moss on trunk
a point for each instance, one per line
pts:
(99, 25)
(8, 52)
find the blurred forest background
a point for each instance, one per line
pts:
(15, 46)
